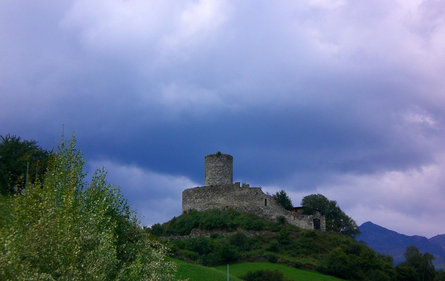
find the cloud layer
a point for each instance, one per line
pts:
(155, 197)
(340, 97)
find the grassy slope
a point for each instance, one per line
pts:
(196, 272)
(330, 253)
(288, 272)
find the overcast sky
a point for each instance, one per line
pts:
(340, 97)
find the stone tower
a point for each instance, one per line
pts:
(218, 169)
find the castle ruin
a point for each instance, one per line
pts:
(221, 193)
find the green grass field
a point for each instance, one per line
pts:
(196, 272)
(202, 273)
(288, 272)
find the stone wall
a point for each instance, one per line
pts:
(218, 169)
(244, 199)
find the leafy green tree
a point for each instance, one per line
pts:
(64, 228)
(20, 161)
(406, 272)
(357, 262)
(418, 266)
(336, 219)
(284, 200)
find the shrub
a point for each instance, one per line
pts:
(201, 245)
(239, 240)
(283, 236)
(282, 220)
(273, 246)
(272, 258)
(156, 230)
(227, 253)
(227, 220)
(263, 275)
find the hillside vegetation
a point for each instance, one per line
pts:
(196, 272)
(64, 227)
(290, 273)
(231, 237)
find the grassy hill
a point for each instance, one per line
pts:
(289, 273)
(196, 272)
(216, 237)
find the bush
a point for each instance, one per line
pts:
(282, 220)
(239, 240)
(227, 253)
(272, 258)
(358, 262)
(212, 219)
(337, 264)
(201, 245)
(156, 230)
(283, 236)
(263, 275)
(273, 246)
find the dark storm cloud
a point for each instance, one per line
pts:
(309, 96)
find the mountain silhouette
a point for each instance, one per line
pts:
(394, 244)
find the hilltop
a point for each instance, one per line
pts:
(216, 237)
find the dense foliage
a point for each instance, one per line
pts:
(417, 266)
(20, 161)
(330, 253)
(264, 275)
(63, 228)
(440, 275)
(210, 220)
(336, 219)
(284, 200)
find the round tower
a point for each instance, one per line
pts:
(218, 169)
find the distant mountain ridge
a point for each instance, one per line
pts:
(392, 243)
(439, 240)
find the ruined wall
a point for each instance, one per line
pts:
(218, 169)
(244, 199)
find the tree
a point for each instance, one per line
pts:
(284, 200)
(65, 228)
(417, 266)
(20, 161)
(440, 275)
(336, 219)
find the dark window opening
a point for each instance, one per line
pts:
(265, 202)
(317, 224)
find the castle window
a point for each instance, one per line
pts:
(265, 202)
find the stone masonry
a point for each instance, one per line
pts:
(218, 169)
(219, 192)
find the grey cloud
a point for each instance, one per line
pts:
(316, 89)
(155, 197)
